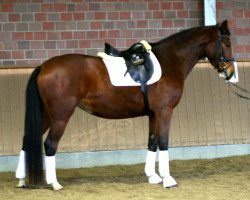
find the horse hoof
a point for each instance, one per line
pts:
(155, 179)
(169, 182)
(21, 184)
(56, 186)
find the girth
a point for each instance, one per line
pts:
(139, 64)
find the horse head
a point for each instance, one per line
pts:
(219, 51)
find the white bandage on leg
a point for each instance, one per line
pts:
(164, 163)
(150, 163)
(21, 170)
(50, 166)
(153, 178)
(164, 171)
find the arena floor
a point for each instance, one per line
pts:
(225, 178)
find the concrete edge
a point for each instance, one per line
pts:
(129, 157)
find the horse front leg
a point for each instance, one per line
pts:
(163, 126)
(153, 140)
(158, 138)
(168, 180)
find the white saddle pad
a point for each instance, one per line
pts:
(117, 68)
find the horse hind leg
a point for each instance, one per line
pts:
(51, 144)
(60, 108)
(21, 167)
(21, 170)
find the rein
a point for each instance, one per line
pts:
(223, 67)
(233, 86)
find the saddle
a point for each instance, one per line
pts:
(139, 65)
(137, 59)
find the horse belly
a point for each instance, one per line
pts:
(112, 108)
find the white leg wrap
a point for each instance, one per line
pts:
(153, 177)
(168, 181)
(21, 170)
(50, 165)
(164, 163)
(150, 163)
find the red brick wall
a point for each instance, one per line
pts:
(33, 31)
(238, 14)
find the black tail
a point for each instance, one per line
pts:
(32, 141)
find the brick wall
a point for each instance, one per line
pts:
(32, 31)
(238, 13)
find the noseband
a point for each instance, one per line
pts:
(223, 65)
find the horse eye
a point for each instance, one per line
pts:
(227, 45)
(223, 65)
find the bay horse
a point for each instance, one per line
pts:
(64, 82)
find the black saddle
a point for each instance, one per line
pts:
(139, 66)
(137, 58)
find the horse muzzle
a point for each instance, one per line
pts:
(226, 70)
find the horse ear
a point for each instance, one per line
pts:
(224, 24)
(223, 27)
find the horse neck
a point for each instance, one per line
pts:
(179, 54)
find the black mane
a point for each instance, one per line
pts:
(182, 34)
(221, 27)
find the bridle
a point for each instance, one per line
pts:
(223, 65)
